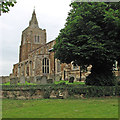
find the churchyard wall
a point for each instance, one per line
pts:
(57, 91)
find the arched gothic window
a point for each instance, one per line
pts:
(45, 65)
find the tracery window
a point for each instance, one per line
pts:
(45, 65)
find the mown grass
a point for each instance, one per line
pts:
(56, 82)
(61, 108)
(8, 83)
(26, 83)
(67, 82)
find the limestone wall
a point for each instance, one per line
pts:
(57, 91)
(33, 94)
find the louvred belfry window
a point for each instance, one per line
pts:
(37, 39)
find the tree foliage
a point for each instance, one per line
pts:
(91, 36)
(5, 5)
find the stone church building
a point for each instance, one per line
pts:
(37, 59)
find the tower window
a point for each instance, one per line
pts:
(45, 65)
(37, 39)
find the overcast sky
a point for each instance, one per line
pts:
(51, 15)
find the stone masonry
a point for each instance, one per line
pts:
(36, 57)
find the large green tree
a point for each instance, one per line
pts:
(91, 36)
(6, 4)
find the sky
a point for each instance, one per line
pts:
(51, 15)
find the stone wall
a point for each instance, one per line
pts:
(33, 94)
(59, 91)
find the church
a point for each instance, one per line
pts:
(36, 57)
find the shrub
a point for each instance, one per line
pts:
(101, 80)
(71, 80)
(118, 82)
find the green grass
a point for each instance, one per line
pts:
(67, 82)
(61, 108)
(8, 83)
(56, 82)
(26, 83)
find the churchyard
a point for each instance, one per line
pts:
(90, 37)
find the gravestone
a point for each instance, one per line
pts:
(37, 79)
(57, 78)
(22, 79)
(30, 80)
(41, 80)
(14, 80)
(49, 81)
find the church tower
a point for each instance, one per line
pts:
(32, 38)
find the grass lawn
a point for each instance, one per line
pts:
(61, 108)
(26, 83)
(56, 82)
(67, 82)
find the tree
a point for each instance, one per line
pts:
(5, 5)
(91, 37)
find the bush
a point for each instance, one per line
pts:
(71, 80)
(62, 83)
(118, 82)
(101, 80)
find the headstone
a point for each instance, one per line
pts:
(14, 80)
(57, 78)
(30, 79)
(22, 79)
(43, 80)
(37, 79)
(49, 81)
